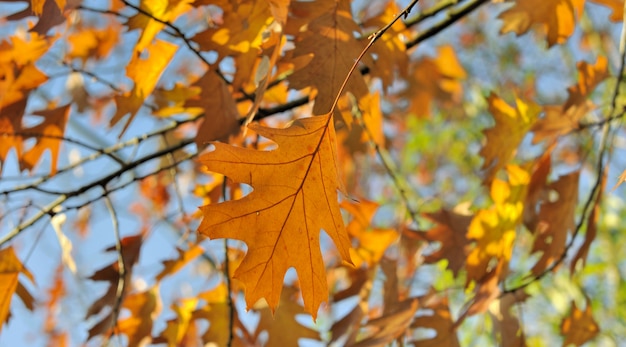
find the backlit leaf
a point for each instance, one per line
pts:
(295, 195)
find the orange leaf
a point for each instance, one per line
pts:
(589, 76)
(145, 74)
(144, 308)
(450, 232)
(330, 40)
(165, 10)
(10, 268)
(294, 196)
(512, 124)
(48, 135)
(184, 257)
(556, 17)
(283, 329)
(435, 79)
(93, 42)
(580, 326)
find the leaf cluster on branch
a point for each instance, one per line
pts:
(402, 173)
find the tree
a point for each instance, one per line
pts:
(432, 179)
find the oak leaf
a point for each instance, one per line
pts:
(184, 257)
(145, 74)
(10, 268)
(589, 76)
(144, 307)
(331, 41)
(164, 10)
(580, 326)
(294, 196)
(49, 137)
(557, 18)
(511, 126)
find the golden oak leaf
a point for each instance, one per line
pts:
(373, 242)
(215, 101)
(494, 228)
(450, 232)
(580, 326)
(181, 328)
(557, 18)
(171, 102)
(49, 137)
(184, 257)
(282, 328)
(145, 74)
(440, 320)
(616, 5)
(511, 126)
(295, 195)
(331, 41)
(10, 268)
(165, 10)
(390, 49)
(433, 79)
(556, 220)
(144, 307)
(93, 42)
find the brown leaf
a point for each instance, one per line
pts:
(331, 41)
(507, 330)
(557, 18)
(389, 327)
(294, 196)
(450, 232)
(580, 326)
(556, 220)
(440, 320)
(220, 115)
(589, 76)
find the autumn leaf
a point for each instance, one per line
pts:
(144, 307)
(511, 126)
(294, 196)
(93, 43)
(330, 40)
(184, 257)
(589, 77)
(372, 242)
(435, 79)
(440, 320)
(48, 136)
(507, 326)
(556, 220)
(450, 232)
(557, 18)
(282, 328)
(50, 13)
(494, 228)
(164, 10)
(580, 326)
(391, 326)
(145, 73)
(10, 268)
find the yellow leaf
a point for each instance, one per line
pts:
(511, 126)
(556, 17)
(144, 308)
(145, 74)
(494, 229)
(165, 10)
(294, 196)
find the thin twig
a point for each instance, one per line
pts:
(121, 283)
